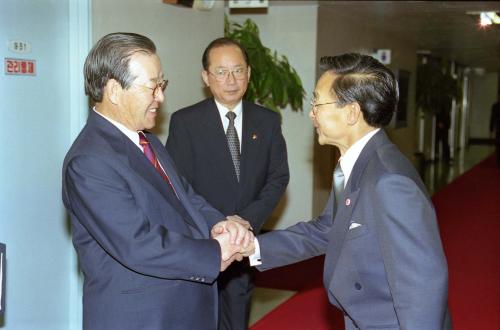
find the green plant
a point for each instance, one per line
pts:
(274, 83)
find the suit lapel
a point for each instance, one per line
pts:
(167, 164)
(250, 142)
(349, 199)
(216, 137)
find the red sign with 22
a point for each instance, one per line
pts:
(17, 66)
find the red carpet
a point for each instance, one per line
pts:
(468, 212)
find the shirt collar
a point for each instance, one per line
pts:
(348, 160)
(238, 109)
(132, 135)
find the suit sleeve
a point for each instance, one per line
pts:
(412, 253)
(301, 241)
(277, 180)
(104, 204)
(179, 147)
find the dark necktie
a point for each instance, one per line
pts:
(234, 143)
(338, 185)
(150, 155)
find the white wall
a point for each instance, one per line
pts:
(35, 130)
(180, 34)
(483, 93)
(291, 31)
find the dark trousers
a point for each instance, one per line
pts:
(442, 138)
(235, 292)
(497, 151)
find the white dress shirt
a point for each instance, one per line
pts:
(238, 121)
(350, 157)
(132, 135)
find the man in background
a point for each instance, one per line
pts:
(495, 127)
(234, 155)
(141, 233)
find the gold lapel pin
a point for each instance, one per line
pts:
(254, 136)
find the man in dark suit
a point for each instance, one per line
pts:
(495, 127)
(384, 264)
(141, 233)
(238, 164)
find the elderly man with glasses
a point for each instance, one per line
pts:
(233, 154)
(384, 262)
(140, 230)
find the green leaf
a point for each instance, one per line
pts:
(274, 82)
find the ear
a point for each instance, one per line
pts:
(249, 72)
(204, 76)
(112, 91)
(354, 113)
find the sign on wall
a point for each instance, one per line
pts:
(19, 66)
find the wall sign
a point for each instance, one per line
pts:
(19, 46)
(18, 66)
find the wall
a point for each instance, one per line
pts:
(291, 31)
(483, 93)
(180, 34)
(36, 128)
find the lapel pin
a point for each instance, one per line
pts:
(348, 202)
(254, 136)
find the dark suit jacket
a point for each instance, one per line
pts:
(145, 255)
(495, 121)
(198, 144)
(390, 271)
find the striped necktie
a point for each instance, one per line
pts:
(150, 155)
(338, 185)
(234, 143)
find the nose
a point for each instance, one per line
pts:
(230, 77)
(311, 114)
(159, 96)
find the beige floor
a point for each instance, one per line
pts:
(437, 175)
(265, 300)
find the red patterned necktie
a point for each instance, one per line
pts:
(150, 155)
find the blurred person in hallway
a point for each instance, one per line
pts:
(495, 127)
(384, 265)
(233, 153)
(443, 122)
(140, 230)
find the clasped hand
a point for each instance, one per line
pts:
(235, 237)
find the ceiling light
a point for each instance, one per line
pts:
(486, 17)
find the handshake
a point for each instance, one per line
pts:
(236, 239)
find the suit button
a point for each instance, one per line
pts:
(357, 286)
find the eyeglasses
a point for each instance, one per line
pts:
(160, 85)
(314, 105)
(221, 74)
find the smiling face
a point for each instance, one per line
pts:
(329, 119)
(138, 105)
(228, 91)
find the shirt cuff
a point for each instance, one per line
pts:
(255, 259)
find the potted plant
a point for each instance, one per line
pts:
(274, 83)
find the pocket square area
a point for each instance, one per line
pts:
(354, 225)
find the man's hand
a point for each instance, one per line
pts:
(238, 230)
(241, 221)
(229, 251)
(235, 241)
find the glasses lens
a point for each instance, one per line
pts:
(163, 85)
(239, 73)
